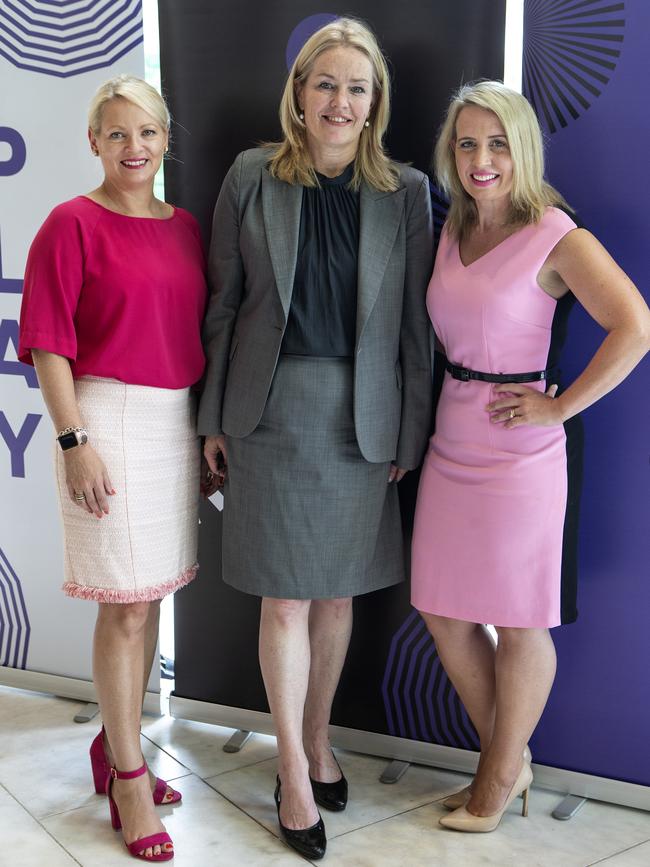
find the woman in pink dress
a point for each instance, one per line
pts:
(494, 537)
(113, 301)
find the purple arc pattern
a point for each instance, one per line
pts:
(419, 700)
(14, 622)
(302, 31)
(102, 32)
(570, 53)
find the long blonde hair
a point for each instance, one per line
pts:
(530, 194)
(291, 161)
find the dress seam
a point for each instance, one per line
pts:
(126, 497)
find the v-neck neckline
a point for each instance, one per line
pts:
(491, 250)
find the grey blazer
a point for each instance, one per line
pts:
(251, 271)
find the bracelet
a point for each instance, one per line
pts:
(71, 430)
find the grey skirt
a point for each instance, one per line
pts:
(305, 515)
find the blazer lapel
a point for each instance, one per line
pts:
(381, 213)
(281, 204)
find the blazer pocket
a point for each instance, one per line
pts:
(398, 375)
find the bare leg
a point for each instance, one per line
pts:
(467, 653)
(330, 627)
(118, 665)
(285, 661)
(525, 669)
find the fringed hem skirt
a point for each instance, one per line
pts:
(306, 516)
(146, 546)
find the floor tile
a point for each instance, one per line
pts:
(637, 856)
(252, 789)
(44, 759)
(538, 841)
(206, 829)
(199, 746)
(24, 843)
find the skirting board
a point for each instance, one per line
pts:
(418, 752)
(66, 687)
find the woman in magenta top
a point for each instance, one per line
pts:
(113, 301)
(494, 538)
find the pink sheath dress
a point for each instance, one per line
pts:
(495, 527)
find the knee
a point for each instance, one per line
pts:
(128, 619)
(445, 628)
(339, 608)
(285, 613)
(519, 639)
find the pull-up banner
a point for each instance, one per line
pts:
(586, 73)
(223, 69)
(53, 56)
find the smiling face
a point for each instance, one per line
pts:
(130, 144)
(336, 99)
(483, 159)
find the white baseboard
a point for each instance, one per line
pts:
(418, 752)
(66, 687)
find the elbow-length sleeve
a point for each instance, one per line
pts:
(53, 282)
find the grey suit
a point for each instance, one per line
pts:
(251, 268)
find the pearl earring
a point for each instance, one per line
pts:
(367, 123)
(301, 116)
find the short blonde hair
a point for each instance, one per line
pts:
(134, 90)
(291, 161)
(530, 194)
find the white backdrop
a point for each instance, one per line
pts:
(42, 630)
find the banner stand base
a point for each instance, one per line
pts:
(568, 807)
(417, 752)
(394, 771)
(237, 741)
(87, 713)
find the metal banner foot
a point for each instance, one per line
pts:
(567, 808)
(87, 713)
(394, 771)
(237, 741)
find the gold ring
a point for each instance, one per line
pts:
(512, 414)
(80, 497)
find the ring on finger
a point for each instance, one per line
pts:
(79, 497)
(512, 414)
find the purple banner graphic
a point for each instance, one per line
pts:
(570, 53)
(64, 38)
(7, 285)
(598, 716)
(419, 700)
(14, 621)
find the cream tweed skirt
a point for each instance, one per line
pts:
(146, 546)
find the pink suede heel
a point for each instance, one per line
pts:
(101, 771)
(136, 848)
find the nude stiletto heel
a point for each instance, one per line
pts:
(459, 799)
(462, 820)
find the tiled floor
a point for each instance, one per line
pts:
(49, 814)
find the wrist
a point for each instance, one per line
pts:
(71, 437)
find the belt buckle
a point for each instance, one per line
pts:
(464, 374)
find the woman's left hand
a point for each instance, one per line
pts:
(396, 474)
(524, 405)
(209, 482)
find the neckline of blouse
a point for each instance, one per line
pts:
(344, 178)
(131, 216)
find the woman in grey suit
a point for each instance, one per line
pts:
(317, 394)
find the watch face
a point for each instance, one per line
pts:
(68, 441)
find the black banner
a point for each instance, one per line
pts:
(224, 66)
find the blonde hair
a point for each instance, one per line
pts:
(530, 194)
(291, 161)
(134, 90)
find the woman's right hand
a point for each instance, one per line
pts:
(215, 454)
(86, 474)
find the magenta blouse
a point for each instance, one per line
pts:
(120, 297)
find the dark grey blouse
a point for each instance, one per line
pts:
(323, 314)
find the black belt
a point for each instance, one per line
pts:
(464, 375)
